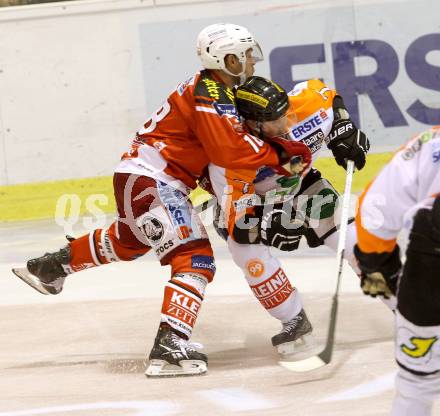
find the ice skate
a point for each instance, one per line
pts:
(173, 356)
(46, 274)
(295, 341)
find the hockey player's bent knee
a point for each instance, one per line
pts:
(255, 260)
(267, 280)
(195, 257)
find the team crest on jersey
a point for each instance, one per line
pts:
(153, 230)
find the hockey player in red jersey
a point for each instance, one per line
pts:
(196, 125)
(406, 196)
(277, 208)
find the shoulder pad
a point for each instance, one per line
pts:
(213, 90)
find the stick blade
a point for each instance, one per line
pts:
(302, 366)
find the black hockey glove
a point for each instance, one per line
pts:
(345, 140)
(380, 272)
(277, 230)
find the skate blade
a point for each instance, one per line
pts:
(31, 280)
(300, 349)
(161, 368)
(302, 366)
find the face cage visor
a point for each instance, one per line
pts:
(257, 53)
(256, 56)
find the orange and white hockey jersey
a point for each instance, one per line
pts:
(410, 181)
(311, 113)
(196, 125)
(310, 116)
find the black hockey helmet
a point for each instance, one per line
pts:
(261, 99)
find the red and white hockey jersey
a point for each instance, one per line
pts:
(196, 125)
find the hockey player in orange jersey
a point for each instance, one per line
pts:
(276, 209)
(196, 125)
(405, 196)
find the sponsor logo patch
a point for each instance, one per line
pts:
(314, 141)
(419, 346)
(177, 207)
(203, 262)
(182, 86)
(226, 109)
(164, 247)
(274, 290)
(306, 126)
(245, 202)
(212, 87)
(180, 306)
(254, 98)
(255, 267)
(410, 151)
(323, 114)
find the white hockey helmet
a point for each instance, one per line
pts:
(216, 41)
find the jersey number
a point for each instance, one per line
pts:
(256, 143)
(157, 116)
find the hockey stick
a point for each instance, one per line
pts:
(325, 356)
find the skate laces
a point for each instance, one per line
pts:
(292, 324)
(185, 345)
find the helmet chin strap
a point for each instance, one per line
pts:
(260, 130)
(241, 76)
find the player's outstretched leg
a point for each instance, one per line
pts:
(172, 356)
(47, 273)
(295, 336)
